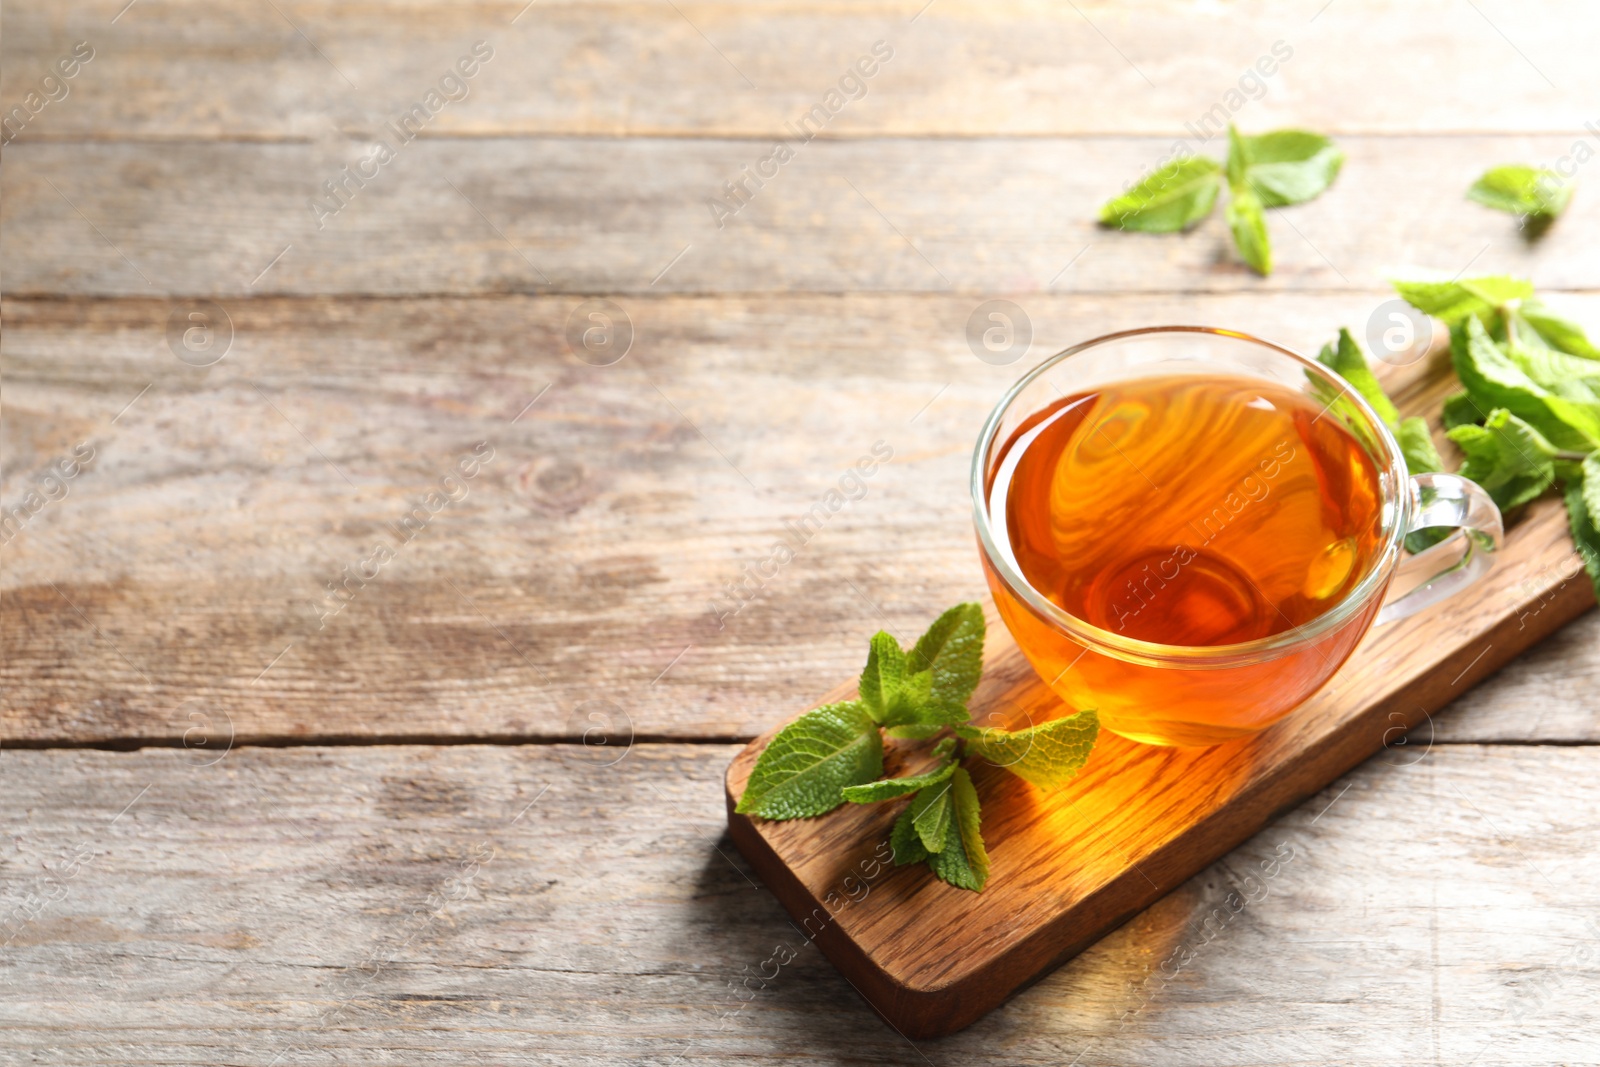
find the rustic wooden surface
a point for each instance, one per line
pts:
(168, 599)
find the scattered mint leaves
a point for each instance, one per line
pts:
(803, 769)
(1529, 416)
(1173, 197)
(1533, 193)
(1265, 171)
(834, 753)
(1045, 755)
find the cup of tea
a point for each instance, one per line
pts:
(1188, 529)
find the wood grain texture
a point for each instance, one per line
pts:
(324, 902)
(587, 215)
(172, 69)
(584, 563)
(1070, 864)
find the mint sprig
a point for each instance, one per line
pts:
(1269, 170)
(834, 753)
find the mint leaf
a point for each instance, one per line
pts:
(1459, 410)
(963, 862)
(1495, 380)
(905, 842)
(1045, 755)
(1584, 521)
(1172, 197)
(889, 788)
(1416, 445)
(913, 711)
(1509, 458)
(1249, 228)
(802, 770)
(1285, 166)
(1522, 190)
(883, 674)
(1561, 334)
(1452, 301)
(1245, 219)
(943, 749)
(1571, 377)
(952, 649)
(930, 814)
(1589, 474)
(1349, 363)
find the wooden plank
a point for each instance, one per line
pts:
(599, 215)
(324, 901)
(172, 69)
(1070, 864)
(582, 565)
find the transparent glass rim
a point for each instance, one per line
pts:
(1397, 501)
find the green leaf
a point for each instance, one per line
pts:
(905, 842)
(1589, 474)
(1249, 228)
(963, 862)
(930, 814)
(1172, 197)
(1495, 380)
(1585, 521)
(1509, 458)
(1416, 444)
(883, 674)
(952, 649)
(1522, 190)
(944, 748)
(803, 768)
(889, 788)
(1285, 166)
(1452, 301)
(913, 711)
(1459, 410)
(1045, 755)
(1349, 363)
(1564, 335)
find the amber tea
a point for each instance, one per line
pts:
(1185, 511)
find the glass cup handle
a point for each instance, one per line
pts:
(1447, 500)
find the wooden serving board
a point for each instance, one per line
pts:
(1070, 865)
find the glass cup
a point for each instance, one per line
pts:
(1204, 695)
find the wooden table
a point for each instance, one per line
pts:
(468, 807)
